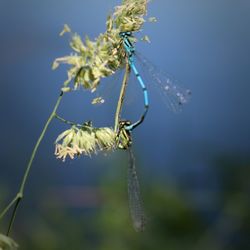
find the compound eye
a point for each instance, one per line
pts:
(122, 34)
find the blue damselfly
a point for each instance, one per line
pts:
(175, 96)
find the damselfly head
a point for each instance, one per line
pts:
(124, 123)
(125, 34)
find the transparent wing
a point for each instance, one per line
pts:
(109, 87)
(174, 96)
(134, 196)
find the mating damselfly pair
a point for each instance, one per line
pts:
(175, 96)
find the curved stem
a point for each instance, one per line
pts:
(8, 207)
(121, 97)
(67, 122)
(13, 216)
(20, 193)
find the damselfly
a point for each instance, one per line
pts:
(124, 141)
(174, 94)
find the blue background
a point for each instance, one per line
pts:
(204, 44)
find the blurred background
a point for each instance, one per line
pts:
(194, 167)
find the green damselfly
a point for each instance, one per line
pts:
(124, 141)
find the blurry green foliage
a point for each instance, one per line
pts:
(174, 222)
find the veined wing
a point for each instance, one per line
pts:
(174, 96)
(134, 196)
(108, 88)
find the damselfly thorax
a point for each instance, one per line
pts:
(124, 140)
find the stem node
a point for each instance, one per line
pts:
(19, 196)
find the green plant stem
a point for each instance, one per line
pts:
(8, 207)
(20, 193)
(67, 122)
(122, 95)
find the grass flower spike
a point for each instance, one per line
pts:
(85, 140)
(6, 243)
(91, 61)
